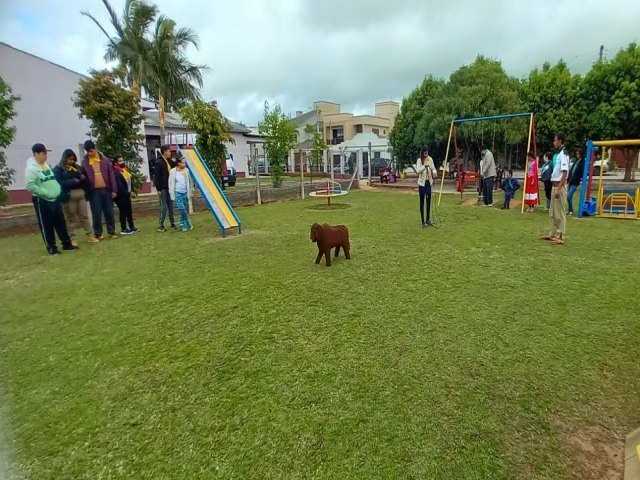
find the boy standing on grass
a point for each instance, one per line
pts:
(558, 211)
(510, 185)
(45, 189)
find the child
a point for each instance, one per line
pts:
(510, 185)
(180, 191)
(545, 177)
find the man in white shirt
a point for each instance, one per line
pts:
(488, 172)
(557, 212)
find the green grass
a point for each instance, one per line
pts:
(472, 351)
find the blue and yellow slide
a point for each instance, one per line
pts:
(211, 192)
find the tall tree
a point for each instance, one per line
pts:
(479, 89)
(170, 76)
(611, 92)
(318, 146)
(553, 94)
(406, 144)
(129, 45)
(7, 134)
(114, 116)
(280, 135)
(212, 133)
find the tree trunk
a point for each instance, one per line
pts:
(161, 115)
(630, 155)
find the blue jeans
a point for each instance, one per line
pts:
(572, 190)
(166, 206)
(488, 190)
(507, 199)
(101, 203)
(183, 206)
(425, 194)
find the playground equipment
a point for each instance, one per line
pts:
(452, 134)
(328, 190)
(211, 192)
(621, 203)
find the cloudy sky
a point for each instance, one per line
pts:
(352, 52)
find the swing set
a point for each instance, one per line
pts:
(473, 177)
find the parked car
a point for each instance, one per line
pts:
(229, 171)
(599, 165)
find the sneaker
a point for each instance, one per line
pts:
(92, 239)
(570, 213)
(183, 229)
(190, 227)
(173, 226)
(74, 242)
(134, 230)
(490, 205)
(127, 231)
(54, 251)
(161, 228)
(71, 248)
(428, 223)
(100, 237)
(113, 236)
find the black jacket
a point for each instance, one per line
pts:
(575, 174)
(121, 182)
(69, 180)
(161, 174)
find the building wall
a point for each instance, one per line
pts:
(388, 110)
(327, 108)
(45, 112)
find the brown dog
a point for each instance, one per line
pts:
(327, 237)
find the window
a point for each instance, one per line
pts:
(338, 135)
(376, 131)
(358, 128)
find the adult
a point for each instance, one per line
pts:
(74, 196)
(531, 183)
(426, 170)
(161, 182)
(557, 212)
(545, 177)
(102, 189)
(574, 178)
(488, 175)
(123, 199)
(45, 191)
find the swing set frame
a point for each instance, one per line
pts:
(459, 121)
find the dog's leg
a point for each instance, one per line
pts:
(319, 257)
(327, 256)
(347, 249)
(337, 250)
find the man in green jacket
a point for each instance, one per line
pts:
(45, 190)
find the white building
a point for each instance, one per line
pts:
(45, 112)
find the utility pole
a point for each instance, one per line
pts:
(601, 53)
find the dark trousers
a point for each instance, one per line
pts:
(51, 219)
(166, 206)
(425, 194)
(126, 211)
(507, 199)
(488, 190)
(102, 203)
(547, 192)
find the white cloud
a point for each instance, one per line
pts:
(353, 52)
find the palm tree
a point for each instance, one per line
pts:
(129, 46)
(169, 75)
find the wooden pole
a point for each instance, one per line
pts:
(446, 158)
(301, 177)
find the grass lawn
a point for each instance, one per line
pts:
(472, 351)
